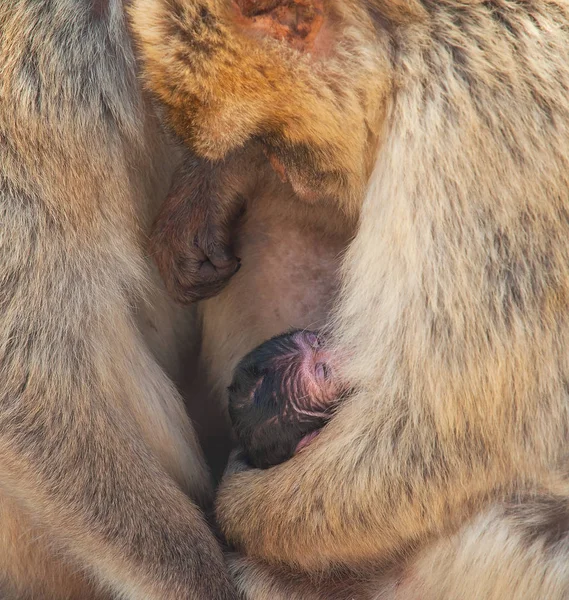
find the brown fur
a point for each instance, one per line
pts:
(192, 237)
(98, 460)
(453, 307)
(218, 95)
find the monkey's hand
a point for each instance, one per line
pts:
(196, 262)
(308, 512)
(191, 238)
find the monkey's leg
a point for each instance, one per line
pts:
(31, 566)
(109, 506)
(92, 436)
(508, 552)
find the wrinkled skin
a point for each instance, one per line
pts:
(282, 394)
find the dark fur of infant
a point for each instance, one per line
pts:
(282, 394)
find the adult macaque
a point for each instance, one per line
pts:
(100, 472)
(292, 232)
(281, 395)
(444, 475)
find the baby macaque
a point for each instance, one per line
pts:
(282, 394)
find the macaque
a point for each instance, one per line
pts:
(281, 395)
(102, 479)
(431, 139)
(269, 215)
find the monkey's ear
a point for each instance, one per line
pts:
(297, 22)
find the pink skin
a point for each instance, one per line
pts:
(293, 379)
(322, 389)
(306, 441)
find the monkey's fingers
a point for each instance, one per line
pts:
(210, 273)
(198, 276)
(219, 264)
(221, 257)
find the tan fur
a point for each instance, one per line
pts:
(507, 552)
(218, 95)
(453, 307)
(98, 460)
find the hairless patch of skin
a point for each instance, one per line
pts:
(296, 21)
(282, 393)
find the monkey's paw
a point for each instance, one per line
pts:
(195, 269)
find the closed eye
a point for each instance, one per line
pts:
(321, 371)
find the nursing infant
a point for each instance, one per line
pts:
(282, 394)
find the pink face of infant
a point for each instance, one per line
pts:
(282, 394)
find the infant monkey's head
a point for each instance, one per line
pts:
(281, 394)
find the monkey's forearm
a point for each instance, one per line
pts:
(336, 528)
(353, 498)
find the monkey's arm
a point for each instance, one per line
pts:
(456, 406)
(85, 411)
(330, 504)
(191, 238)
(371, 486)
